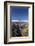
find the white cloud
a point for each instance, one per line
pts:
(19, 20)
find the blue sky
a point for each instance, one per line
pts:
(17, 13)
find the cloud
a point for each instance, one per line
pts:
(19, 20)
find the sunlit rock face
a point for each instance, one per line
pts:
(23, 27)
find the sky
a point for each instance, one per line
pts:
(19, 13)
